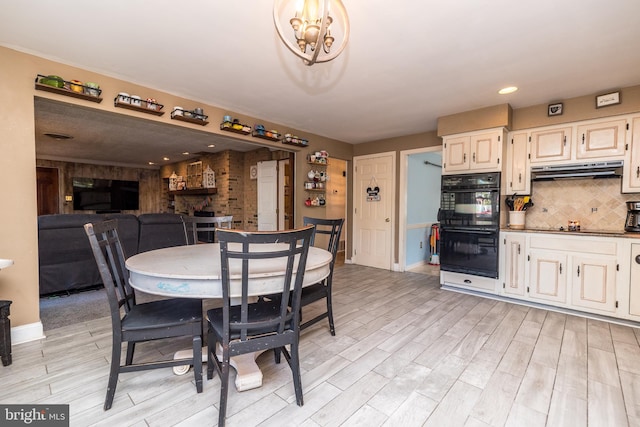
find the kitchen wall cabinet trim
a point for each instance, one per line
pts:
(631, 169)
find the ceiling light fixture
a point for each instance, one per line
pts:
(166, 158)
(185, 153)
(314, 29)
(507, 90)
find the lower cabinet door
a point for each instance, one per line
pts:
(548, 276)
(594, 283)
(514, 281)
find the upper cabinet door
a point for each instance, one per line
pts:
(456, 153)
(631, 175)
(486, 150)
(517, 167)
(551, 145)
(601, 139)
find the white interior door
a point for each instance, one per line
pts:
(268, 195)
(373, 216)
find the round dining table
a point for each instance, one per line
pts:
(193, 271)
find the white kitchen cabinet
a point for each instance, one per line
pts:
(474, 152)
(573, 271)
(548, 275)
(518, 172)
(634, 290)
(601, 139)
(551, 144)
(456, 153)
(514, 264)
(594, 282)
(631, 172)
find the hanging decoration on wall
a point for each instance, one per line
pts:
(373, 191)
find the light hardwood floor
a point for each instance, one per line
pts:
(406, 354)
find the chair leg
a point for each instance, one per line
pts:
(211, 354)
(295, 369)
(332, 327)
(224, 388)
(197, 362)
(116, 350)
(131, 347)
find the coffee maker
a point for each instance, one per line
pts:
(633, 217)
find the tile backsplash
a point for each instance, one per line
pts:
(597, 203)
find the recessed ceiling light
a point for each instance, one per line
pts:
(186, 153)
(211, 145)
(166, 158)
(151, 163)
(58, 136)
(507, 90)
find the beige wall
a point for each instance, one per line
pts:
(18, 225)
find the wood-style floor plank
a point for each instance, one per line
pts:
(406, 353)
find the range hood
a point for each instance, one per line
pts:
(609, 169)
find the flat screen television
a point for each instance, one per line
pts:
(105, 194)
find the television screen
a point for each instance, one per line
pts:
(105, 194)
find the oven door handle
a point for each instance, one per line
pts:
(468, 231)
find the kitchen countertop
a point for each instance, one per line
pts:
(583, 232)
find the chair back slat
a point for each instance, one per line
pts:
(244, 250)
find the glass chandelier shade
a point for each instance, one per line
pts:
(309, 30)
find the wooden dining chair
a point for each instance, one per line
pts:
(133, 323)
(243, 326)
(194, 225)
(331, 228)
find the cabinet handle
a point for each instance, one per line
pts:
(520, 177)
(519, 249)
(560, 268)
(474, 157)
(638, 172)
(583, 139)
(464, 157)
(578, 271)
(565, 141)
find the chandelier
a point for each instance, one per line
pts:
(313, 30)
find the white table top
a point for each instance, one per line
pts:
(194, 272)
(4, 263)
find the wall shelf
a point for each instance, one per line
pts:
(297, 144)
(144, 108)
(275, 137)
(68, 92)
(199, 119)
(194, 192)
(240, 131)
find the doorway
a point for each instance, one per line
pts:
(48, 194)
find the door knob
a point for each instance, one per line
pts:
(387, 220)
(638, 259)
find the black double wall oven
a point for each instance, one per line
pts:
(469, 218)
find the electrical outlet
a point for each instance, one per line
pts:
(594, 210)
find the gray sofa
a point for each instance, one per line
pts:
(65, 259)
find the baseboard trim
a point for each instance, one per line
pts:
(26, 333)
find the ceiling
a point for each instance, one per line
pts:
(407, 62)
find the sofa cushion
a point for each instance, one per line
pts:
(65, 259)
